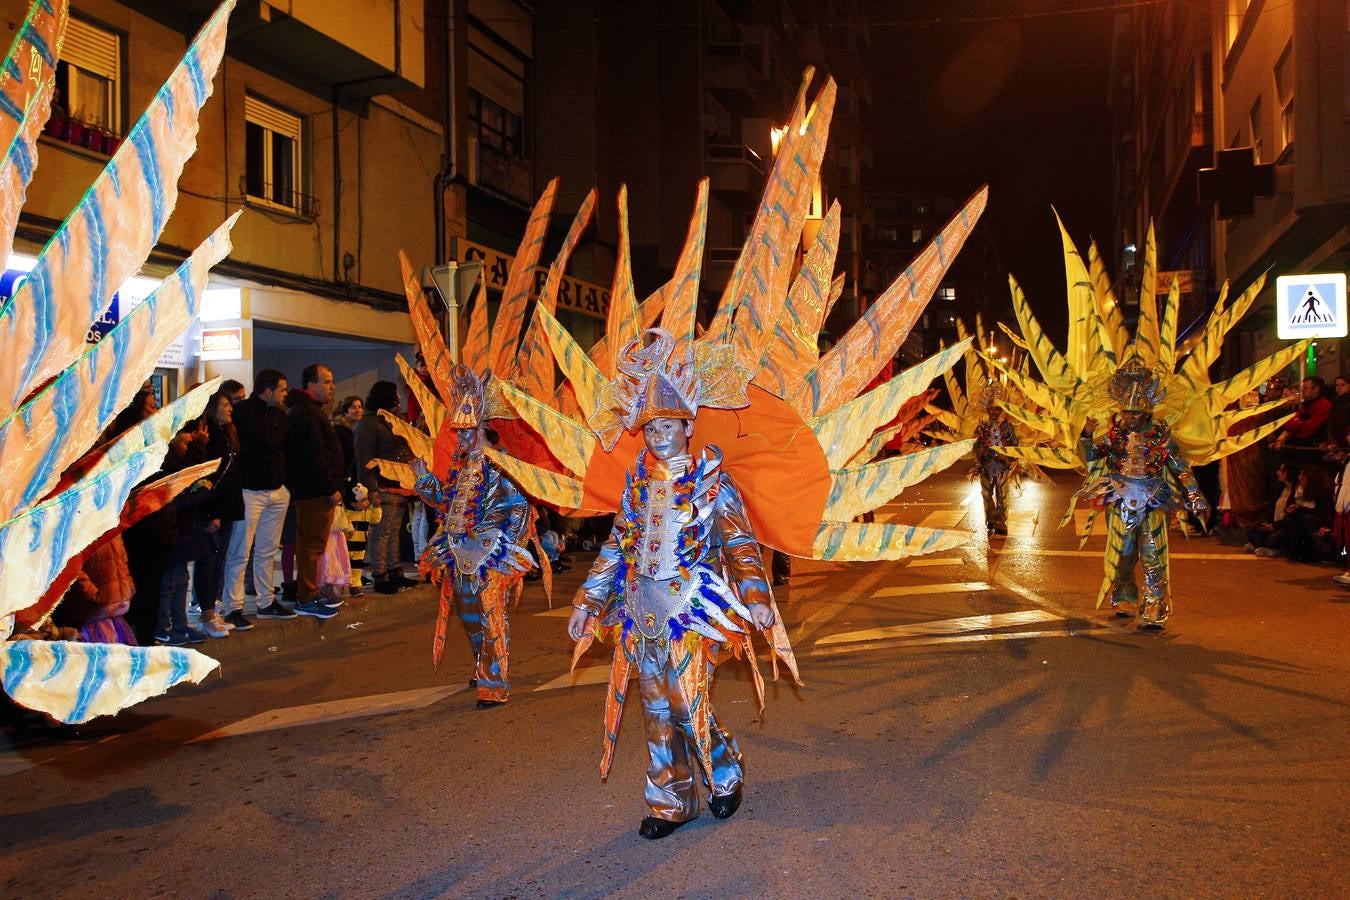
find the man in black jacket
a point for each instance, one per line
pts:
(316, 471)
(261, 423)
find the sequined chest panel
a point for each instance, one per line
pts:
(661, 525)
(468, 488)
(1138, 454)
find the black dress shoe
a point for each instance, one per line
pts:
(780, 581)
(725, 807)
(1151, 627)
(473, 683)
(653, 829)
(1122, 614)
(488, 704)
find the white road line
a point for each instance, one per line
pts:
(1031, 551)
(831, 608)
(943, 626)
(331, 711)
(557, 612)
(12, 762)
(901, 504)
(920, 590)
(1022, 522)
(926, 562)
(942, 518)
(940, 639)
(862, 590)
(582, 675)
(1035, 598)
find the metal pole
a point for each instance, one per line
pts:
(455, 282)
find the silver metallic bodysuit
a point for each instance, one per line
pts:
(484, 528)
(675, 579)
(1145, 476)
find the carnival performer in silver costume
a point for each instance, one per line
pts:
(679, 571)
(993, 468)
(480, 545)
(1144, 474)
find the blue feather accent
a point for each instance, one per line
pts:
(20, 664)
(95, 674)
(58, 659)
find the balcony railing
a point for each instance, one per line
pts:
(82, 135)
(279, 197)
(735, 168)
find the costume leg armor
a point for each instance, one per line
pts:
(481, 608)
(495, 641)
(727, 773)
(1153, 558)
(1124, 590)
(996, 502)
(672, 793)
(470, 616)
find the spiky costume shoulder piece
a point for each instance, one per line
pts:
(786, 426)
(57, 394)
(1105, 373)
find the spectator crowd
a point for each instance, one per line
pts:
(294, 485)
(1289, 495)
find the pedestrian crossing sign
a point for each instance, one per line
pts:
(1311, 306)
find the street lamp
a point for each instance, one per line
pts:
(455, 283)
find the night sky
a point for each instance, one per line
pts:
(1019, 103)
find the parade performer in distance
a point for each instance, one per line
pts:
(1163, 414)
(1144, 470)
(978, 414)
(485, 519)
(679, 575)
(994, 469)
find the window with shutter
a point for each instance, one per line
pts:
(272, 159)
(87, 107)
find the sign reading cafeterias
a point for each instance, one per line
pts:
(578, 296)
(1311, 306)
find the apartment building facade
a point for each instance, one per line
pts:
(303, 134)
(1188, 81)
(1283, 84)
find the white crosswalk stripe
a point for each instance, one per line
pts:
(331, 711)
(943, 627)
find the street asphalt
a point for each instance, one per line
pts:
(969, 726)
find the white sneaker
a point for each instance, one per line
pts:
(1342, 579)
(214, 626)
